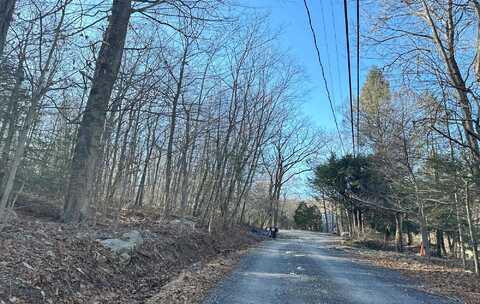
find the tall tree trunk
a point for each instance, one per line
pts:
(459, 229)
(30, 118)
(11, 117)
(171, 136)
(6, 14)
(455, 194)
(128, 190)
(110, 180)
(471, 231)
(359, 223)
(476, 3)
(325, 213)
(447, 52)
(338, 219)
(184, 168)
(141, 187)
(93, 121)
(197, 203)
(438, 241)
(18, 156)
(156, 177)
(424, 231)
(409, 237)
(441, 241)
(398, 231)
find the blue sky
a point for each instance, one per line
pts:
(295, 36)
(328, 20)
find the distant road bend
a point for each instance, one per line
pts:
(304, 268)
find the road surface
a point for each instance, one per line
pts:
(305, 268)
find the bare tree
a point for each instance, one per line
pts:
(91, 127)
(40, 88)
(6, 15)
(291, 150)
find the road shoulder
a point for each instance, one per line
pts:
(193, 284)
(436, 277)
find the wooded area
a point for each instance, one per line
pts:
(417, 166)
(142, 138)
(190, 108)
(181, 106)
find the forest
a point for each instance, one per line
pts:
(181, 123)
(180, 106)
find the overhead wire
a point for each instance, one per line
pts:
(340, 83)
(345, 9)
(323, 72)
(327, 52)
(358, 75)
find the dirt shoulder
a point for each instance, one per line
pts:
(439, 276)
(49, 262)
(193, 284)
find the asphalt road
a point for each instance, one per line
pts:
(304, 268)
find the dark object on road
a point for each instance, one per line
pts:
(275, 231)
(269, 232)
(259, 231)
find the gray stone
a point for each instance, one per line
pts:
(118, 246)
(124, 258)
(184, 223)
(133, 236)
(129, 242)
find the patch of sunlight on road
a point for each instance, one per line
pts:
(327, 257)
(296, 253)
(270, 275)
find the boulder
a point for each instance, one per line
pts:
(126, 244)
(184, 223)
(124, 258)
(133, 236)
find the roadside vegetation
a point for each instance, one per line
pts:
(138, 137)
(415, 168)
(410, 190)
(412, 185)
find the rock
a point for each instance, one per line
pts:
(134, 236)
(129, 242)
(184, 222)
(118, 246)
(124, 258)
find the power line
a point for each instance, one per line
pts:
(340, 83)
(327, 53)
(345, 8)
(358, 75)
(323, 71)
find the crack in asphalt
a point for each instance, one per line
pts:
(306, 268)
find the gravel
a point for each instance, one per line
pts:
(305, 267)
